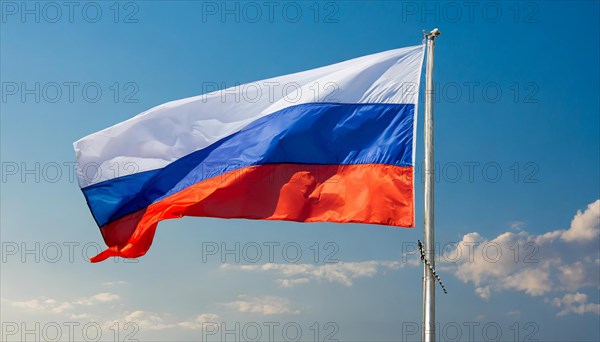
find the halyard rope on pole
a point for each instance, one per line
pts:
(430, 267)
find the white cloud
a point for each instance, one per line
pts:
(557, 261)
(533, 281)
(472, 269)
(268, 305)
(483, 292)
(499, 263)
(575, 303)
(104, 297)
(573, 276)
(585, 226)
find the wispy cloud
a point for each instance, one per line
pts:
(292, 282)
(517, 225)
(199, 321)
(147, 320)
(103, 297)
(268, 305)
(515, 314)
(73, 309)
(114, 283)
(344, 273)
(44, 304)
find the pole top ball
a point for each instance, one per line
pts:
(434, 33)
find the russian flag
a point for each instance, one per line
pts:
(332, 144)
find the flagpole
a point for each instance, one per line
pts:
(428, 327)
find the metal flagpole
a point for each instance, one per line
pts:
(428, 327)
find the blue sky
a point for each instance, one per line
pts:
(517, 104)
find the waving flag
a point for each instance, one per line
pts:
(333, 144)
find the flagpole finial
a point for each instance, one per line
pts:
(434, 33)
